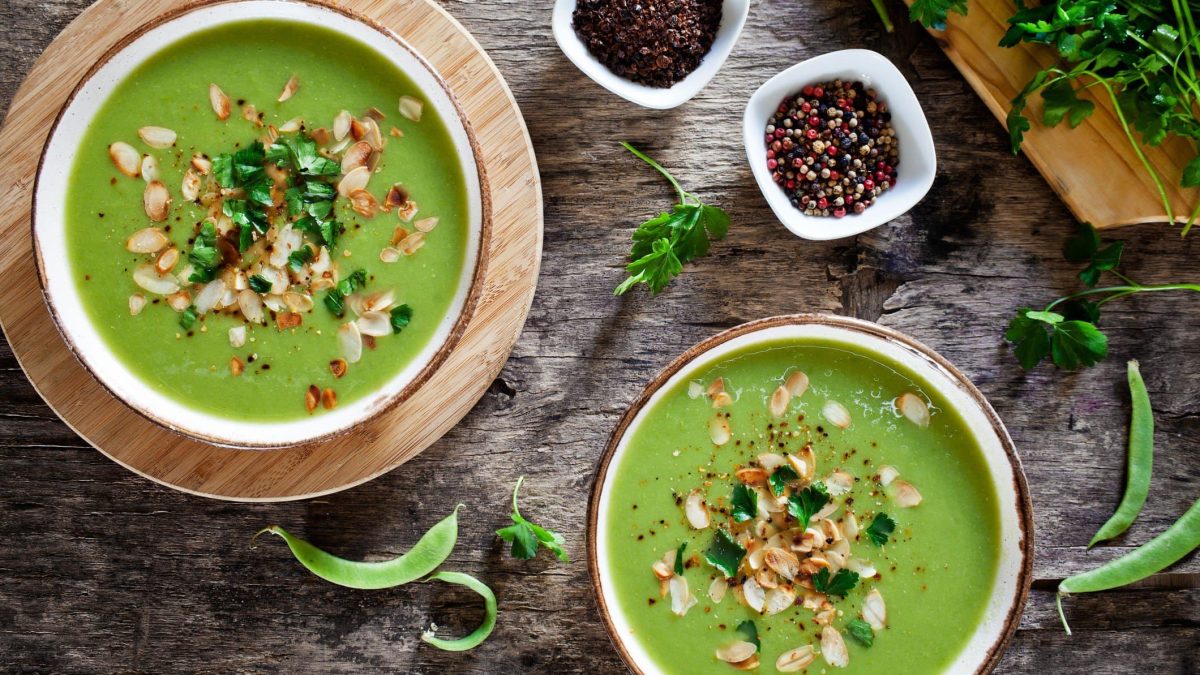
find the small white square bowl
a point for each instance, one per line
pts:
(733, 19)
(918, 161)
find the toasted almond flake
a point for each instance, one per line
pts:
(795, 660)
(778, 600)
(695, 390)
(914, 408)
(399, 234)
(396, 197)
(721, 400)
(839, 483)
(681, 598)
(736, 652)
(179, 300)
(341, 125)
(389, 255)
(396, 133)
(157, 201)
(201, 164)
(797, 383)
(219, 102)
(766, 578)
(717, 589)
(749, 664)
(312, 397)
(379, 302)
(298, 302)
(165, 262)
(874, 611)
(292, 126)
(661, 570)
(407, 212)
(356, 157)
(351, 342)
(210, 295)
(289, 88)
(767, 503)
(375, 114)
(372, 135)
(837, 560)
(286, 320)
(364, 203)
(375, 324)
(251, 306)
(237, 336)
(833, 648)
(357, 130)
(837, 414)
(250, 114)
(157, 137)
(320, 136)
(127, 159)
(771, 461)
(850, 526)
(149, 279)
(830, 529)
(784, 563)
(887, 474)
(426, 224)
(827, 510)
(778, 404)
(750, 475)
(861, 566)
(411, 108)
(137, 302)
(147, 240)
(355, 180)
(841, 547)
(756, 596)
(412, 243)
(904, 494)
(328, 399)
(715, 387)
(696, 510)
(190, 189)
(338, 367)
(149, 168)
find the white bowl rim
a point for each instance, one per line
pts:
(655, 98)
(1009, 594)
(908, 119)
(401, 386)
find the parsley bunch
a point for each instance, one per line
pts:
(1066, 329)
(1144, 55)
(664, 243)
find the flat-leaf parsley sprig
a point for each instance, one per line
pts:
(526, 536)
(1066, 329)
(663, 244)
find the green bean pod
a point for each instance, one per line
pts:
(481, 633)
(1181, 538)
(1139, 463)
(431, 550)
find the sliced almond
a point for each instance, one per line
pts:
(722, 399)
(292, 126)
(312, 397)
(770, 461)
(147, 240)
(395, 133)
(341, 125)
(904, 494)
(289, 88)
(219, 102)
(426, 224)
(338, 367)
(837, 414)
(137, 302)
(328, 399)
(715, 387)
(127, 159)
(288, 320)
(803, 462)
(389, 255)
(251, 306)
(149, 279)
(411, 108)
(779, 401)
(165, 262)
(717, 589)
(696, 510)
(850, 526)
(190, 188)
(379, 302)
(914, 408)
(751, 663)
(396, 197)
(839, 483)
(356, 157)
(887, 474)
(351, 342)
(237, 336)
(795, 660)
(298, 302)
(408, 211)
(797, 383)
(830, 529)
(874, 611)
(778, 600)
(833, 648)
(157, 201)
(756, 596)
(372, 135)
(364, 203)
(149, 168)
(210, 295)
(750, 475)
(695, 390)
(412, 243)
(375, 324)
(662, 570)
(250, 114)
(784, 563)
(862, 567)
(157, 137)
(353, 181)
(736, 652)
(681, 598)
(201, 164)
(179, 300)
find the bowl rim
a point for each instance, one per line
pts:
(654, 98)
(1024, 502)
(470, 302)
(818, 68)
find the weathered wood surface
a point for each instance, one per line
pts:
(102, 571)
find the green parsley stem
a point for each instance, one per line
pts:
(1121, 291)
(658, 167)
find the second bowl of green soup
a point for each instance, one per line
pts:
(809, 494)
(261, 223)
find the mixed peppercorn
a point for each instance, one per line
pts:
(653, 42)
(832, 148)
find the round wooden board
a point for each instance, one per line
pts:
(513, 253)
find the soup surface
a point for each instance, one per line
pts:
(190, 355)
(840, 430)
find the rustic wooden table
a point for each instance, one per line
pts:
(102, 571)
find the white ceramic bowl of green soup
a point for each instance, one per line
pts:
(259, 223)
(810, 493)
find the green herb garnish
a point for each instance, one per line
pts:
(862, 632)
(259, 283)
(401, 316)
(880, 529)
(335, 299)
(749, 630)
(299, 258)
(725, 553)
(839, 584)
(204, 256)
(679, 558)
(933, 13)
(663, 244)
(188, 317)
(744, 502)
(806, 503)
(781, 477)
(526, 537)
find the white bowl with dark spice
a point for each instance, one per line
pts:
(678, 80)
(899, 125)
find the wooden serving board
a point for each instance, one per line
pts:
(1093, 167)
(511, 256)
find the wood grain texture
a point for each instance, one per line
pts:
(1092, 167)
(449, 386)
(103, 571)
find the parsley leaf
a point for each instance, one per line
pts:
(1070, 344)
(259, 284)
(744, 502)
(779, 479)
(862, 632)
(839, 584)
(400, 317)
(933, 13)
(1060, 101)
(188, 317)
(299, 258)
(725, 553)
(664, 243)
(335, 299)
(526, 536)
(679, 558)
(880, 529)
(749, 630)
(804, 504)
(205, 257)
(222, 170)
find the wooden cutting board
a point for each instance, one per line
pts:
(1093, 168)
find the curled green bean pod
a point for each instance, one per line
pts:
(481, 633)
(1181, 538)
(1139, 463)
(431, 550)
